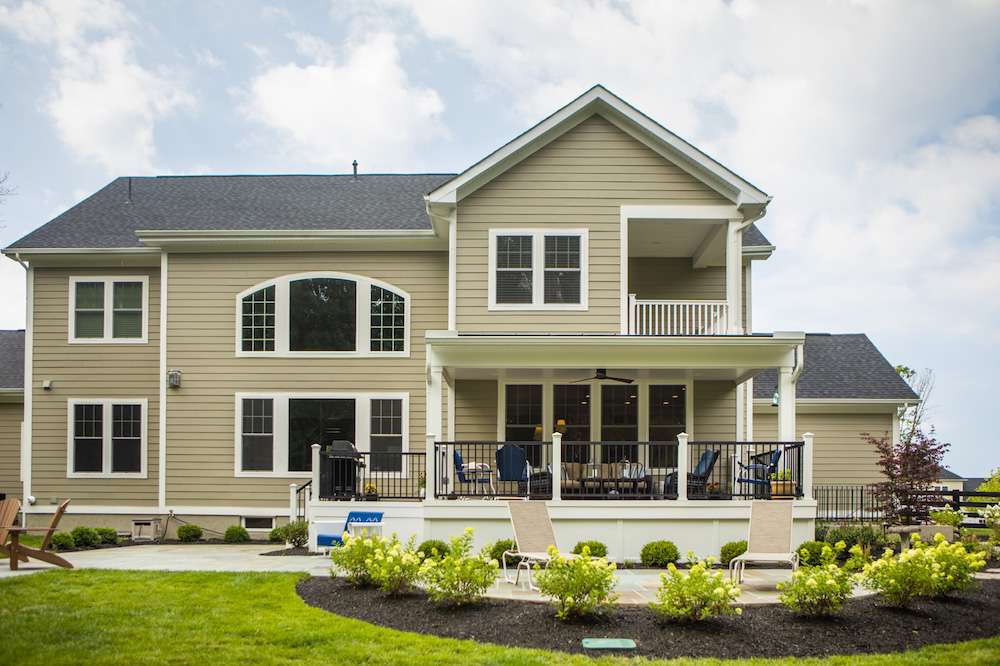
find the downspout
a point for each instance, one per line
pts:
(26, 400)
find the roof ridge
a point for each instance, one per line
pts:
(287, 175)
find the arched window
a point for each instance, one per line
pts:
(323, 314)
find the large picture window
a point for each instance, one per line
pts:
(108, 309)
(323, 314)
(538, 269)
(619, 423)
(106, 438)
(571, 405)
(667, 419)
(523, 419)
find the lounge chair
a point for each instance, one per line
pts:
(697, 479)
(373, 519)
(19, 552)
(770, 537)
(475, 473)
(533, 534)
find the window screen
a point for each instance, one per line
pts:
(619, 423)
(562, 269)
(571, 411)
(89, 314)
(667, 419)
(322, 315)
(258, 320)
(88, 438)
(258, 435)
(387, 435)
(126, 314)
(388, 329)
(514, 266)
(126, 438)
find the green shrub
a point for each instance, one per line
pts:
(85, 537)
(871, 539)
(395, 568)
(859, 558)
(658, 554)
(459, 577)
(731, 550)
(697, 595)
(297, 533)
(63, 541)
(991, 514)
(947, 517)
(821, 589)
(580, 586)
(236, 534)
(188, 533)
(277, 535)
(952, 566)
(597, 549)
(353, 557)
(811, 552)
(108, 535)
(433, 549)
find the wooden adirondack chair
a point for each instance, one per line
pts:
(19, 552)
(8, 514)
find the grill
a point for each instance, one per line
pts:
(340, 467)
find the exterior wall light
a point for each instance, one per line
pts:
(775, 399)
(174, 379)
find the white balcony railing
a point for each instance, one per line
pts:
(677, 317)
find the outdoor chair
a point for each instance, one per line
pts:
(18, 552)
(512, 464)
(697, 479)
(474, 473)
(9, 509)
(769, 539)
(758, 475)
(533, 534)
(371, 519)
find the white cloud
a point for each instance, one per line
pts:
(104, 104)
(355, 102)
(207, 59)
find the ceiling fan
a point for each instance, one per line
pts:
(601, 374)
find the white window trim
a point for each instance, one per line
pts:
(362, 427)
(106, 439)
(538, 269)
(109, 281)
(362, 314)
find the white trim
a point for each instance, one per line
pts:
(161, 439)
(453, 272)
(538, 235)
(106, 440)
(362, 315)
(109, 281)
(362, 426)
(27, 251)
(623, 273)
(119, 510)
(29, 345)
(684, 212)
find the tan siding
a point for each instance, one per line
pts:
(840, 454)
(476, 409)
(88, 371)
(201, 342)
(11, 415)
(714, 410)
(579, 180)
(660, 278)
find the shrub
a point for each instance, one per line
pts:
(352, 558)
(297, 533)
(821, 589)
(697, 595)
(236, 534)
(85, 537)
(433, 549)
(498, 548)
(277, 535)
(731, 550)
(991, 515)
(898, 578)
(459, 578)
(596, 548)
(811, 552)
(658, 554)
(871, 539)
(952, 566)
(188, 533)
(108, 535)
(972, 544)
(859, 557)
(946, 516)
(581, 586)
(63, 541)
(395, 567)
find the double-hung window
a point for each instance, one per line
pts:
(108, 309)
(538, 269)
(106, 438)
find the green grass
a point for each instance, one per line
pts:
(30, 540)
(129, 617)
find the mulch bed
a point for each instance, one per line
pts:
(762, 631)
(300, 551)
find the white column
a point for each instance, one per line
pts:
(786, 405)
(807, 465)
(734, 275)
(315, 470)
(433, 421)
(292, 488)
(557, 466)
(682, 466)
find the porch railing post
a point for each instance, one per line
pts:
(292, 508)
(431, 472)
(315, 470)
(807, 465)
(557, 466)
(682, 466)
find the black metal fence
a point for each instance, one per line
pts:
(374, 476)
(617, 470)
(493, 469)
(742, 470)
(920, 504)
(302, 496)
(845, 503)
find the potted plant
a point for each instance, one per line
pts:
(782, 484)
(371, 492)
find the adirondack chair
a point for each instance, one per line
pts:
(8, 514)
(19, 552)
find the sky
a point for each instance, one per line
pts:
(875, 126)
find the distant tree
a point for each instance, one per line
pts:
(991, 484)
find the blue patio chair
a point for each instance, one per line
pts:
(758, 475)
(353, 518)
(474, 473)
(512, 463)
(697, 478)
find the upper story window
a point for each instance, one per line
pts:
(107, 439)
(538, 269)
(323, 314)
(108, 309)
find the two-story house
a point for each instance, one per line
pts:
(568, 319)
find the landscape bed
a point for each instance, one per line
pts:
(864, 626)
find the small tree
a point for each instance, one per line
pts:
(991, 484)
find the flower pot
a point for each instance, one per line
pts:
(782, 489)
(371, 497)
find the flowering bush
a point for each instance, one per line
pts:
(697, 595)
(581, 586)
(952, 566)
(946, 516)
(859, 557)
(818, 588)
(459, 577)
(991, 515)
(395, 567)
(352, 558)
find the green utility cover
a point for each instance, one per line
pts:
(608, 644)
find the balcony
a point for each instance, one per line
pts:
(663, 317)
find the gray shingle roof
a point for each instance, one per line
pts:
(846, 366)
(11, 359)
(109, 218)
(945, 473)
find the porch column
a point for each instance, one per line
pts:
(734, 275)
(292, 488)
(315, 470)
(557, 466)
(786, 405)
(807, 465)
(682, 466)
(433, 427)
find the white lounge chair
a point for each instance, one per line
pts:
(770, 538)
(533, 534)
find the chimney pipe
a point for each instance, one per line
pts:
(355, 165)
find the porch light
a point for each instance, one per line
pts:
(174, 379)
(775, 399)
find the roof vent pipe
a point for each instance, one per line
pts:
(355, 165)
(129, 199)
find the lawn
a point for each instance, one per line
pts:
(125, 617)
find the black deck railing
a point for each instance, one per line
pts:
(302, 496)
(742, 470)
(617, 470)
(475, 468)
(374, 476)
(847, 503)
